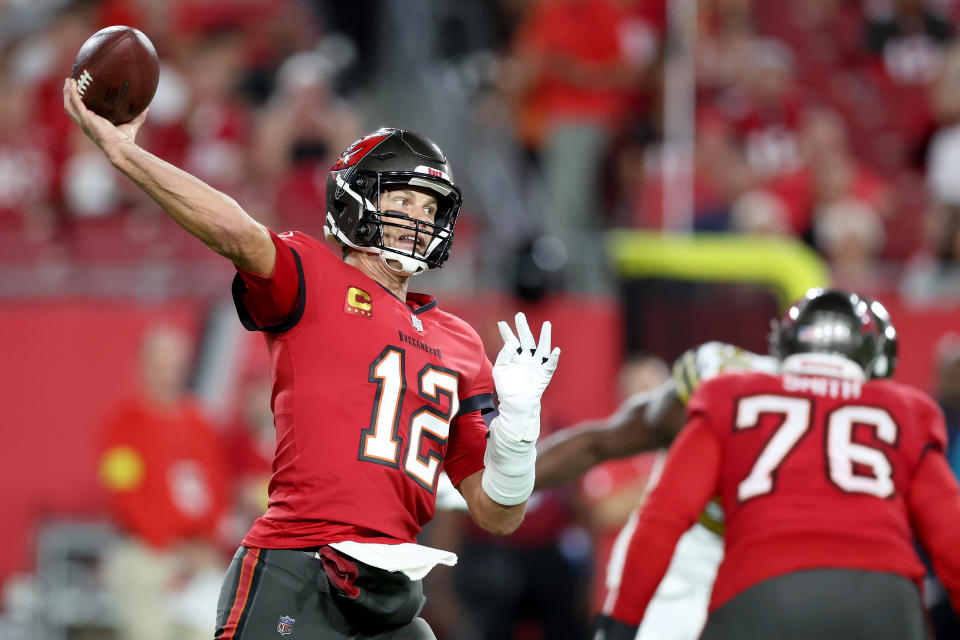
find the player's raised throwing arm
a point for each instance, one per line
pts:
(213, 217)
(497, 496)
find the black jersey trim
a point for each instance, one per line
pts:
(927, 448)
(482, 403)
(418, 310)
(239, 289)
(426, 307)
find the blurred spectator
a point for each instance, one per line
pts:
(305, 120)
(749, 115)
(907, 37)
(34, 140)
(725, 37)
(722, 174)
(628, 182)
(27, 166)
(297, 136)
(161, 464)
(933, 276)
(768, 120)
(828, 173)
(850, 235)
(759, 212)
(579, 67)
(761, 107)
(90, 184)
(218, 120)
(943, 154)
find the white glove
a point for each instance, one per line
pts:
(521, 374)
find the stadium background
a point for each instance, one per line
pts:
(645, 176)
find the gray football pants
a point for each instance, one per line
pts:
(823, 604)
(272, 593)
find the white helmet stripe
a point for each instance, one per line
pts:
(353, 194)
(441, 235)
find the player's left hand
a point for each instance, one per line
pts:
(521, 374)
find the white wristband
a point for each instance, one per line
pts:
(510, 467)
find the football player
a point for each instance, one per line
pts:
(375, 389)
(825, 475)
(650, 421)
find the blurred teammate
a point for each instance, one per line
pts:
(374, 388)
(649, 421)
(825, 476)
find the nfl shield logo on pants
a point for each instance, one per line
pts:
(285, 625)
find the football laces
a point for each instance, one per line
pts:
(83, 82)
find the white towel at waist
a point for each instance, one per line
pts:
(414, 560)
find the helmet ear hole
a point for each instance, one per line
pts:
(366, 232)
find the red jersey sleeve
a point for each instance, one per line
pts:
(689, 480)
(934, 503)
(703, 403)
(468, 440)
(932, 415)
(272, 303)
(468, 433)
(478, 394)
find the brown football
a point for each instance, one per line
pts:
(117, 71)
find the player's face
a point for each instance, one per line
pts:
(413, 203)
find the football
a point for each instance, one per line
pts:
(117, 71)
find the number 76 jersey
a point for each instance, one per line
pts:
(372, 397)
(816, 472)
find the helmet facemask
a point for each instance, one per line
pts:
(433, 239)
(368, 233)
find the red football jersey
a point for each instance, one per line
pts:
(813, 472)
(372, 397)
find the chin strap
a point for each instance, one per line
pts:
(408, 266)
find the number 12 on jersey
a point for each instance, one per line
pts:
(382, 443)
(841, 455)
